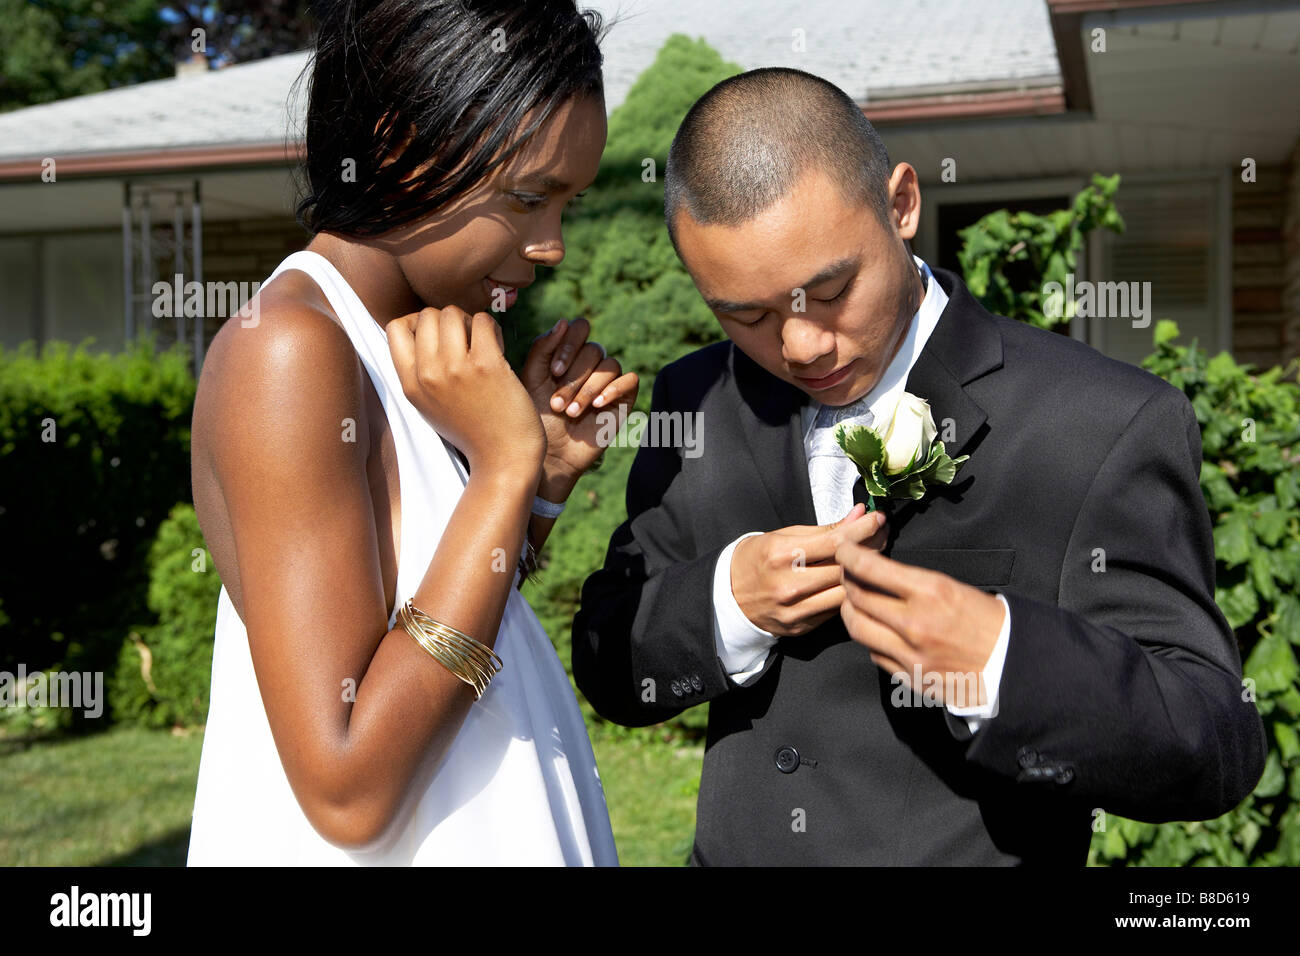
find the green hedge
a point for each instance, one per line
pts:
(164, 670)
(94, 451)
(1250, 438)
(1250, 476)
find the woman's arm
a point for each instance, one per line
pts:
(303, 525)
(539, 528)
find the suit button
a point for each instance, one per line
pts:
(1027, 757)
(696, 682)
(787, 760)
(676, 688)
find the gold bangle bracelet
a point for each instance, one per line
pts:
(439, 649)
(484, 657)
(469, 660)
(451, 658)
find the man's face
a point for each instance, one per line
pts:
(814, 288)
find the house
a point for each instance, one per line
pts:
(997, 103)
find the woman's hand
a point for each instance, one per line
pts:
(572, 382)
(454, 370)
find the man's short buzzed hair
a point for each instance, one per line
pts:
(745, 143)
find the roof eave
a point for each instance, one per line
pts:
(1042, 101)
(153, 161)
(1066, 17)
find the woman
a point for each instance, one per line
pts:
(367, 466)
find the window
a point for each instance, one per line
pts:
(1170, 241)
(82, 275)
(1175, 246)
(19, 302)
(62, 286)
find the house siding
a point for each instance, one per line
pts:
(246, 250)
(1266, 265)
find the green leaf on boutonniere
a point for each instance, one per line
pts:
(866, 450)
(875, 480)
(861, 444)
(939, 467)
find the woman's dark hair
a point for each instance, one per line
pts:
(446, 82)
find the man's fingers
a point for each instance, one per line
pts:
(878, 637)
(823, 540)
(858, 530)
(868, 566)
(879, 605)
(891, 667)
(804, 582)
(820, 606)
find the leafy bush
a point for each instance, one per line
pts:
(1250, 445)
(94, 451)
(1250, 434)
(164, 671)
(1008, 258)
(21, 718)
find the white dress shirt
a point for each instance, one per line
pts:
(742, 646)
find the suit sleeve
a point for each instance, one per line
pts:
(643, 636)
(1127, 695)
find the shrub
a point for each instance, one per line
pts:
(1250, 435)
(1250, 445)
(94, 451)
(164, 670)
(1008, 258)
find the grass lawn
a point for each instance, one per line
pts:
(650, 789)
(124, 797)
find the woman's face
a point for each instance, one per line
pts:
(487, 244)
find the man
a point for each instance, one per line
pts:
(1066, 573)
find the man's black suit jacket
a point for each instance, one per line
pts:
(1121, 688)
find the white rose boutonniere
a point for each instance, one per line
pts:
(899, 458)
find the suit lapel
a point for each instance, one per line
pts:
(964, 345)
(772, 437)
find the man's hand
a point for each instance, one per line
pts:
(787, 582)
(914, 620)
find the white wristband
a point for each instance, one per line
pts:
(546, 509)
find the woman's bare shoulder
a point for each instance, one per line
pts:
(286, 371)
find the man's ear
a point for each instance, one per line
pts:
(905, 201)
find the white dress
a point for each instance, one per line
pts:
(519, 784)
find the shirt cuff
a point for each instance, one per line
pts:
(742, 645)
(992, 674)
